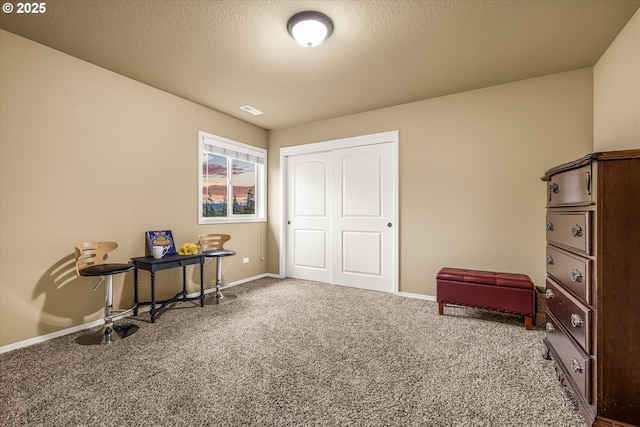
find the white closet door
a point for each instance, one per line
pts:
(308, 217)
(363, 219)
(341, 207)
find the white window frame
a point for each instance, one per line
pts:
(209, 143)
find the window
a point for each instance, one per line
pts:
(232, 181)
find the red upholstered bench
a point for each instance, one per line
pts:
(505, 292)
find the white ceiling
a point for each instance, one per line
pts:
(228, 53)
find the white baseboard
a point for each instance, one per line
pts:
(95, 323)
(251, 279)
(417, 296)
(47, 337)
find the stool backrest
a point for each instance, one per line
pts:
(92, 253)
(210, 242)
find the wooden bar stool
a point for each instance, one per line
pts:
(212, 246)
(90, 261)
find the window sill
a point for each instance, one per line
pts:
(230, 220)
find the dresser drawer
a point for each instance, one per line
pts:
(570, 229)
(575, 362)
(575, 317)
(571, 271)
(570, 188)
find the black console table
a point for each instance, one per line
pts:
(168, 261)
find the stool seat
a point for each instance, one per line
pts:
(106, 269)
(218, 253)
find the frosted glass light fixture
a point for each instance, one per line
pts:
(310, 28)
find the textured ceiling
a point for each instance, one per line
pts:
(228, 53)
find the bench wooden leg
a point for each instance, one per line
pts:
(441, 308)
(528, 322)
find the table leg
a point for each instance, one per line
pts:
(184, 282)
(153, 297)
(135, 291)
(202, 282)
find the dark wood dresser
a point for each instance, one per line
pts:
(593, 284)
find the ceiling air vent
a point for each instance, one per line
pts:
(250, 109)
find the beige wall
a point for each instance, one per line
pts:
(470, 164)
(616, 92)
(470, 167)
(87, 154)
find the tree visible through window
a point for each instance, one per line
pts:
(232, 179)
(214, 185)
(243, 187)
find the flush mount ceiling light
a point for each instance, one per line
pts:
(310, 28)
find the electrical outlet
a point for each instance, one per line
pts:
(245, 260)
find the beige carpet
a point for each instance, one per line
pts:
(294, 353)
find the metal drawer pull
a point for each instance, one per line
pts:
(576, 231)
(553, 188)
(575, 366)
(576, 276)
(576, 321)
(549, 260)
(589, 183)
(549, 226)
(549, 327)
(549, 294)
